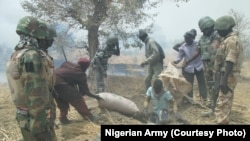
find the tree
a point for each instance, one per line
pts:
(101, 18)
(242, 27)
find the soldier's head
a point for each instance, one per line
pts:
(84, 63)
(44, 44)
(31, 26)
(112, 44)
(224, 25)
(189, 37)
(206, 25)
(157, 86)
(142, 35)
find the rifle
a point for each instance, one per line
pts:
(64, 54)
(48, 123)
(216, 88)
(51, 115)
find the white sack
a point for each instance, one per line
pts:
(117, 103)
(174, 81)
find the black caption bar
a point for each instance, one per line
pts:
(174, 132)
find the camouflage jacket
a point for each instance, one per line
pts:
(230, 50)
(209, 45)
(102, 55)
(30, 74)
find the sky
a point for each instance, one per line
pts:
(173, 20)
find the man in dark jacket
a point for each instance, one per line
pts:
(71, 85)
(154, 58)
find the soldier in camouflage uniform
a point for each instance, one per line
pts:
(228, 61)
(208, 44)
(30, 74)
(100, 61)
(154, 58)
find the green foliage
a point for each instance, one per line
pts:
(116, 17)
(101, 18)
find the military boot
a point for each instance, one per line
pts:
(64, 120)
(63, 116)
(209, 104)
(93, 118)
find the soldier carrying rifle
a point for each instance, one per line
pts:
(229, 58)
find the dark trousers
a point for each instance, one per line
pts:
(201, 82)
(69, 95)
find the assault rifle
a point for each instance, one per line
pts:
(64, 54)
(216, 88)
(49, 121)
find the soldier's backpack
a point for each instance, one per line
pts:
(161, 51)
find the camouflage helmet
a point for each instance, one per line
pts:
(112, 40)
(33, 27)
(205, 22)
(224, 23)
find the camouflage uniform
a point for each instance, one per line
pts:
(100, 62)
(30, 74)
(230, 50)
(208, 47)
(100, 71)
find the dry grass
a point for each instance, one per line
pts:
(80, 129)
(131, 88)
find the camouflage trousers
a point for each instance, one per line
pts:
(209, 76)
(24, 123)
(225, 101)
(153, 72)
(99, 78)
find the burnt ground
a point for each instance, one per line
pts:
(131, 88)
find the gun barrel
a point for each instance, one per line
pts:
(64, 54)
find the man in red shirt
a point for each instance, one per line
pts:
(71, 85)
